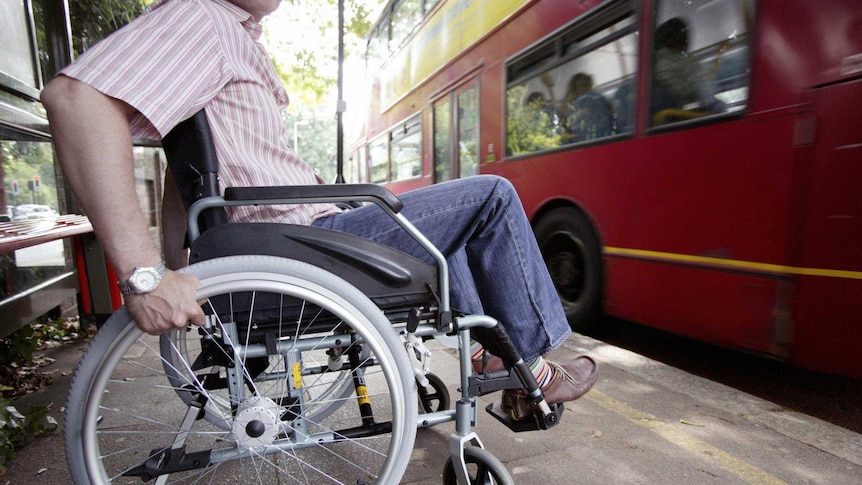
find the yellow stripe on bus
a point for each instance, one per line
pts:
(452, 30)
(731, 264)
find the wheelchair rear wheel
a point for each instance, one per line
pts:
(309, 390)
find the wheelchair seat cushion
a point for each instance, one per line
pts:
(394, 280)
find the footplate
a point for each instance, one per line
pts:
(534, 422)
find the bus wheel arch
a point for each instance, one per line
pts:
(572, 251)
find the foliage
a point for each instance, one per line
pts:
(17, 347)
(55, 332)
(93, 20)
(302, 37)
(16, 429)
(20, 370)
(315, 136)
(20, 374)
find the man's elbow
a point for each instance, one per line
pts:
(60, 96)
(68, 100)
(66, 96)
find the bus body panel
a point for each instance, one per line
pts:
(834, 229)
(828, 312)
(726, 308)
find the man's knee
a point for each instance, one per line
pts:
(502, 188)
(492, 184)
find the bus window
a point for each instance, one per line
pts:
(378, 45)
(468, 133)
(378, 160)
(588, 95)
(406, 150)
(405, 17)
(362, 176)
(456, 133)
(429, 4)
(700, 59)
(356, 171)
(442, 140)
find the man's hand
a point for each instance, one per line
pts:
(171, 306)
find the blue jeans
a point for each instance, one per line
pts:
(495, 265)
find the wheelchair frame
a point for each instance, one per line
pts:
(420, 322)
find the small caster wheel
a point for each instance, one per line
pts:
(482, 467)
(433, 397)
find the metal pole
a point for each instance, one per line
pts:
(341, 107)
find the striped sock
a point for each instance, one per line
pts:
(541, 371)
(476, 350)
(539, 367)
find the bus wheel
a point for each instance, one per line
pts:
(573, 256)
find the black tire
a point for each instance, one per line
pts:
(434, 397)
(573, 255)
(482, 467)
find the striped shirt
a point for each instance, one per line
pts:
(185, 55)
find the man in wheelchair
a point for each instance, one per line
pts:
(183, 56)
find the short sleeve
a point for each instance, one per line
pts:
(167, 64)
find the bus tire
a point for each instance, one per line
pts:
(573, 255)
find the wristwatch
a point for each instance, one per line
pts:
(143, 280)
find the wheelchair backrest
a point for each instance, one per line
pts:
(193, 163)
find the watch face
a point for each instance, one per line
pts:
(144, 280)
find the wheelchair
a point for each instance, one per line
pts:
(311, 367)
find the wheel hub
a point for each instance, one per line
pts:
(256, 423)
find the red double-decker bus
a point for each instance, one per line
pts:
(693, 166)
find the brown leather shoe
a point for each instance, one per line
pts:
(492, 364)
(568, 382)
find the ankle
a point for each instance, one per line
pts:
(542, 371)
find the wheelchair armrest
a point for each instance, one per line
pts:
(320, 193)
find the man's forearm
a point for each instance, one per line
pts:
(94, 146)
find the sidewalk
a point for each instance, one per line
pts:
(644, 422)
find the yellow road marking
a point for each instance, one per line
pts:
(671, 433)
(731, 263)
